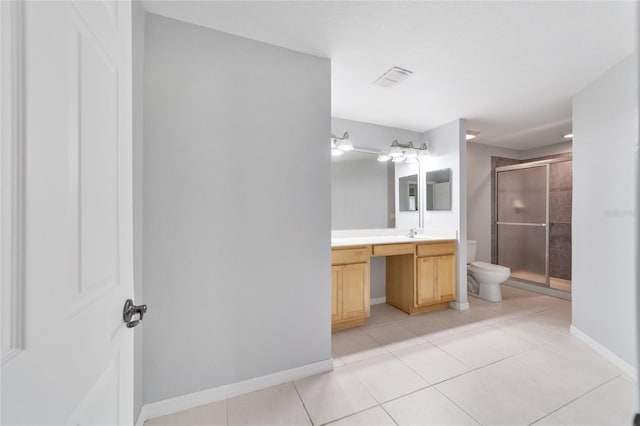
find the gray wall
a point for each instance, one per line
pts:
(138, 23)
(604, 191)
(236, 209)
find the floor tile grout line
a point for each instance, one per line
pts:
(349, 415)
(302, 401)
(456, 404)
(389, 414)
(575, 399)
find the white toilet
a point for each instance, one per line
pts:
(484, 278)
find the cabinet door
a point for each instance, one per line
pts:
(355, 290)
(336, 293)
(446, 278)
(426, 281)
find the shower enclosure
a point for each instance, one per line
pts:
(533, 221)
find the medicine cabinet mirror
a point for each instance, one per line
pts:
(438, 190)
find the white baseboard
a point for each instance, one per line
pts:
(378, 300)
(184, 402)
(614, 359)
(459, 306)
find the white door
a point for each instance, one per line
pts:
(67, 357)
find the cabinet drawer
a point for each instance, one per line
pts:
(436, 249)
(352, 255)
(393, 249)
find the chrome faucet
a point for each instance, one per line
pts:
(412, 233)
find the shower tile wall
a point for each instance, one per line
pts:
(560, 189)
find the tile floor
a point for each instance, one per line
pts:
(508, 363)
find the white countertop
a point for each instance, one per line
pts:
(362, 237)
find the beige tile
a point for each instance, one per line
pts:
(375, 416)
(548, 380)
(449, 322)
(384, 314)
(386, 377)
(210, 414)
(432, 363)
(488, 401)
(534, 334)
(479, 347)
(337, 361)
(427, 407)
(426, 325)
(333, 395)
(557, 319)
(614, 403)
(541, 302)
(354, 344)
(393, 336)
(277, 405)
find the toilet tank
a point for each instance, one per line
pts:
(472, 247)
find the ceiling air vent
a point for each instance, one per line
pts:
(392, 77)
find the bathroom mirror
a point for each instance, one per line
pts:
(408, 193)
(362, 191)
(438, 190)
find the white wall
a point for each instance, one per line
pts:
(605, 128)
(236, 209)
(447, 149)
(138, 25)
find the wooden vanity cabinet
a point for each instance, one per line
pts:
(423, 280)
(350, 287)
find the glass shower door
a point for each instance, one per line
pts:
(522, 221)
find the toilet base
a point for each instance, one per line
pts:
(490, 292)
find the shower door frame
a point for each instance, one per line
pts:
(539, 163)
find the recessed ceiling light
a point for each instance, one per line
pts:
(568, 136)
(471, 134)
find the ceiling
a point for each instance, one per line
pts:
(509, 68)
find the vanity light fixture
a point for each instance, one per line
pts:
(400, 152)
(384, 156)
(471, 134)
(341, 144)
(568, 136)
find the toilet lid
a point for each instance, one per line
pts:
(484, 266)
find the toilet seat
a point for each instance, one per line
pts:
(489, 267)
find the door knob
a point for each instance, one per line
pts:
(130, 310)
